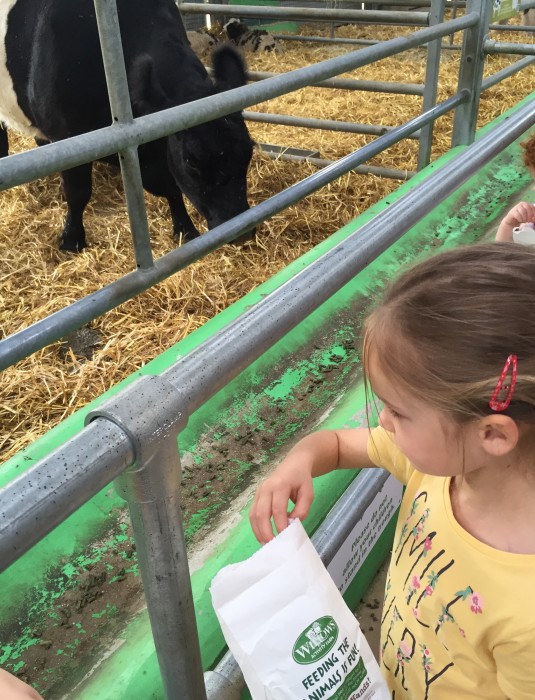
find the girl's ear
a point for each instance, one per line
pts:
(498, 435)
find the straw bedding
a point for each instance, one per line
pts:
(37, 279)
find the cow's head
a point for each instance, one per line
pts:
(209, 162)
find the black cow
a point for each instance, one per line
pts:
(52, 86)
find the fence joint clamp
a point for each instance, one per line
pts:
(150, 411)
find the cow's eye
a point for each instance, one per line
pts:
(192, 165)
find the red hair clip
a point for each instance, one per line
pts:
(500, 386)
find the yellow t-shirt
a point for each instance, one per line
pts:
(459, 616)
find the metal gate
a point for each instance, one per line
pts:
(132, 438)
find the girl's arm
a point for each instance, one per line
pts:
(314, 455)
(11, 688)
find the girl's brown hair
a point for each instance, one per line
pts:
(529, 151)
(446, 327)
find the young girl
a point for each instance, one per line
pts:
(523, 212)
(450, 353)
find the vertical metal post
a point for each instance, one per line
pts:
(114, 67)
(331, 4)
(436, 15)
(471, 73)
(453, 16)
(151, 488)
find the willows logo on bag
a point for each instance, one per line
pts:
(315, 641)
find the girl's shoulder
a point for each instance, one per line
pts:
(383, 452)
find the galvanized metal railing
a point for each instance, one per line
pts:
(126, 133)
(133, 437)
(308, 13)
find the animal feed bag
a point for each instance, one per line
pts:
(289, 628)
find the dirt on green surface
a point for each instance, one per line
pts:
(82, 622)
(85, 612)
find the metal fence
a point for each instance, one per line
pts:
(125, 134)
(132, 438)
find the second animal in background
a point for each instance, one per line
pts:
(249, 39)
(203, 41)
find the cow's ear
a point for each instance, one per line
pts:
(229, 68)
(146, 92)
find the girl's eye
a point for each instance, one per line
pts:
(394, 414)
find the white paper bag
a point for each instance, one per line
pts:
(289, 628)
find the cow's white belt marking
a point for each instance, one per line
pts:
(10, 112)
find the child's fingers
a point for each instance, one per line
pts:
(279, 510)
(303, 502)
(271, 501)
(271, 504)
(530, 212)
(260, 515)
(523, 212)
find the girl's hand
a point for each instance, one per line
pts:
(521, 213)
(11, 688)
(314, 455)
(292, 480)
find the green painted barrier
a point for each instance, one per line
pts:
(505, 9)
(72, 613)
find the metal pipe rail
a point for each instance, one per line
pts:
(506, 72)
(26, 166)
(512, 27)
(329, 124)
(405, 3)
(44, 495)
(136, 427)
(379, 171)
(350, 84)
(117, 84)
(492, 47)
(372, 42)
(326, 39)
(399, 3)
(416, 19)
(65, 320)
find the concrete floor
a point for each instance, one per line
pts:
(369, 609)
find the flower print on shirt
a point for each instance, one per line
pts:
(428, 563)
(445, 616)
(476, 603)
(404, 653)
(413, 587)
(475, 599)
(432, 618)
(427, 661)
